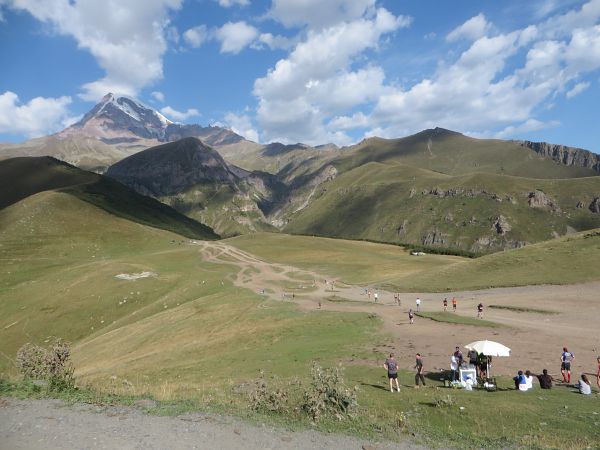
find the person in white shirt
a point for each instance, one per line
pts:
(528, 380)
(584, 385)
(453, 368)
(418, 302)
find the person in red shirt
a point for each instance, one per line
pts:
(454, 304)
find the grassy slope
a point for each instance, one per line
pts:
(569, 259)
(455, 154)
(188, 325)
(189, 334)
(373, 201)
(22, 177)
(352, 261)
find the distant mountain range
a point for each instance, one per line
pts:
(437, 188)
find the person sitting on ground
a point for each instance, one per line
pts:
(391, 366)
(520, 381)
(529, 379)
(584, 385)
(545, 380)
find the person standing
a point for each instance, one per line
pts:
(454, 304)
(480, 311)
(411, 316)
(453, 368)
(445, 304)
(391, 366)
(375, 297)
(418, 302)
(419, 374)
(459, 356)
(565, 364)
(598, 373)
(399, 301)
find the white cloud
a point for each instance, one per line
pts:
(274, 42)
(126, 38)
(235, 36)
(196, 36)
(297, 96)
(230, 3)
(242, 125)
(578, 89)
(525, 127)
(37, 117)
(318, 13)
(158, 96)
(472, 29)
(179, 116)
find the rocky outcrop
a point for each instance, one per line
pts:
(595, 206)
(537, 199)
(569, 156)
(401, 230)
(501, 225)
(434, 238)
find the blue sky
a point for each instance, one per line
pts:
(312, 71)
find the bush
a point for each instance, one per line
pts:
(52, 364)
(265, 398)
(328, 394)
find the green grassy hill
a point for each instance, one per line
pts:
(569, 259)
(22, 177)
(169, 333)
(477, 212)
(453, 153)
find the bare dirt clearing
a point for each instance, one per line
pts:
(536, 339)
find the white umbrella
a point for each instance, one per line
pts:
(489, 348)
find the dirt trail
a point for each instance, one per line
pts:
(536, 339)
(53, 425)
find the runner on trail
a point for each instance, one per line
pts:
(454, 304)
(391, 366)
(565, 364)
(598, 373)
(418, 302)
(319, 304)
(419, 374)
(411, 316)
(375, 297)
(399, 301)
(369, 295)
(480, 311)
(445, 304)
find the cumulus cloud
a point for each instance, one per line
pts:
(527, 126)
(235, 36)
(318, 13)
(126, 38)
(577, 89)
(37, 117)
(196, 36)
(316, 80)
(179, 116)
(242, 125)
(472, 29)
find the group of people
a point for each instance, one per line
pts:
(524, 380)
(391, 365)
(480, 363)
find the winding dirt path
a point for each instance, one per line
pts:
(536, 339)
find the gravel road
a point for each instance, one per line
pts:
(52, 424)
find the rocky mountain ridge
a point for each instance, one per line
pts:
(569, 156)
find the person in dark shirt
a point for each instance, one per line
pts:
(419, 374)
(545, 380)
